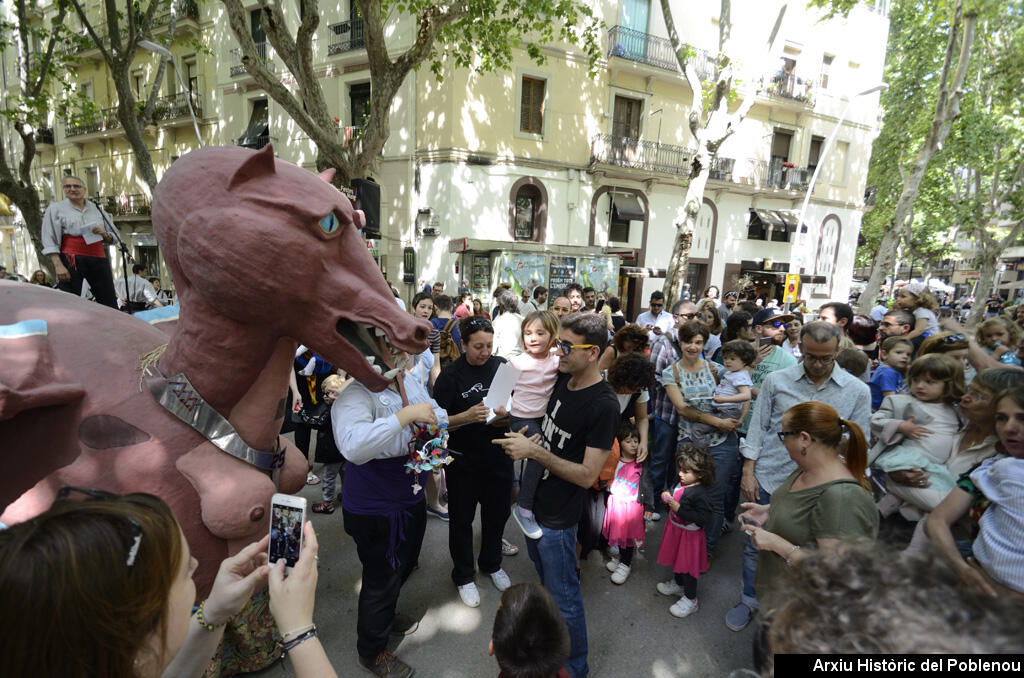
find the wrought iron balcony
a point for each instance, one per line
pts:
(722, 168)
(778, 174)
(788, 86)
(346, 36)
(44, 135)
(238, 68)
(640, 154)
(126, 204)
(184, 9)
(255, 142)
(101, 121)
(652, 50)
(176, 106)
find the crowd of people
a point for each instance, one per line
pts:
(816, 440)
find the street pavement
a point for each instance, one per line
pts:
(631, 632)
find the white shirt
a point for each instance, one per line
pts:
(142, 291)
(62, 218)
(664, 320)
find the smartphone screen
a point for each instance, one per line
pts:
(287, 515)
(600, 304)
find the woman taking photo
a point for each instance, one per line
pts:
(481, 474)
(101, 585)
(824, 502)
(690, 386)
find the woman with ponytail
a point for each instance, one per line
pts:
(824, 502)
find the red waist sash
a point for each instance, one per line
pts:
(74, 245)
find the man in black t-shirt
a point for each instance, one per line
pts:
(577, 434)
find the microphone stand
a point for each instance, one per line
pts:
(125, 255)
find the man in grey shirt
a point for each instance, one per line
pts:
(766, 462)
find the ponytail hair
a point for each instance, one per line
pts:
(824, 424)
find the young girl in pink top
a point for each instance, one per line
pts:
(539, 369)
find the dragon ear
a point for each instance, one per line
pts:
(328, 174)
(258, 164)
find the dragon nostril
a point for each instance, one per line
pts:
(421, 334)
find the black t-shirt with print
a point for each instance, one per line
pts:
(459, 387)
(575, 420)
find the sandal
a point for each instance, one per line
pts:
(312, 479)
(323, 507)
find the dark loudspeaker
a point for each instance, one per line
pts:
(368, 200)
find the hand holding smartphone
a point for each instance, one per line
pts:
(287, 516)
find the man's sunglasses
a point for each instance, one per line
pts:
(566, 348)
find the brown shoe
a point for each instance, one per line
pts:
(386, 665)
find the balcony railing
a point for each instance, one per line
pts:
(776, 174)
(255, 142)
(346, 36)
(185, 9)
(639, 154)
(176, 106)
(788, 86)
(645, 48)
(44, 135)
(101, 121)
(238, 68)
(125, 205)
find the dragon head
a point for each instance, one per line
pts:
(275, 247)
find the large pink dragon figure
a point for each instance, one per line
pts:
(264, 255)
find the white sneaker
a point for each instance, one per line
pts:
(612, 564)
(684, 607)
(470, 596)
(501, 581)
(669, 588)
(621, 574)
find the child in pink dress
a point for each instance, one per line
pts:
(628, 493)
(683, 545)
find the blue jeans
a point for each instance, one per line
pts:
(554, 556)
(749, 596)
(662, 454)
(726, 455)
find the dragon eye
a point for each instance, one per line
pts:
(329, 224)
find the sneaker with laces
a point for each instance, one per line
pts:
(469, 594)
(501, 580)
(684, 607)
(620, 574)
(739, 617)
(386, 665)
(670, 588)
(526, 523)
(508, 548)
(612, 564)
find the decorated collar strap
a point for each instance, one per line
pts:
(182, 400)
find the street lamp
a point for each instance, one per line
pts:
(796, 256)
(160, 50)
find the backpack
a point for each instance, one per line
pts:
(449, 350)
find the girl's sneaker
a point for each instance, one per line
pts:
(684, 607)
(612, 564)
(621, 574)
(670, 588)
(323, 507)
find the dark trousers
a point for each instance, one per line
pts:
(382, 582)
(303, 434)
(469, 486)
(94, 269)
(532, 471)
(689, 584)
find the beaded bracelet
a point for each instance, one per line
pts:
(292, 644)
(201, 620)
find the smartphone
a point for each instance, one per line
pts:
(764, 341)
(287, 516)
(600, 305)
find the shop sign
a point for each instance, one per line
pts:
(561, 272)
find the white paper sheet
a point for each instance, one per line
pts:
(88, 236)
(500, 392)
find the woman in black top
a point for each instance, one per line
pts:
(481, 474)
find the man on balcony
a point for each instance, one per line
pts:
(74, 236)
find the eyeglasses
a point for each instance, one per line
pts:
(777, 324)
(653, 305)
(567, 348)
(74, 186)
(133, 540)
(782, 435)
(478, 324)
(975, 394)
(688, 316)
(953, 339)
(819, 359)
